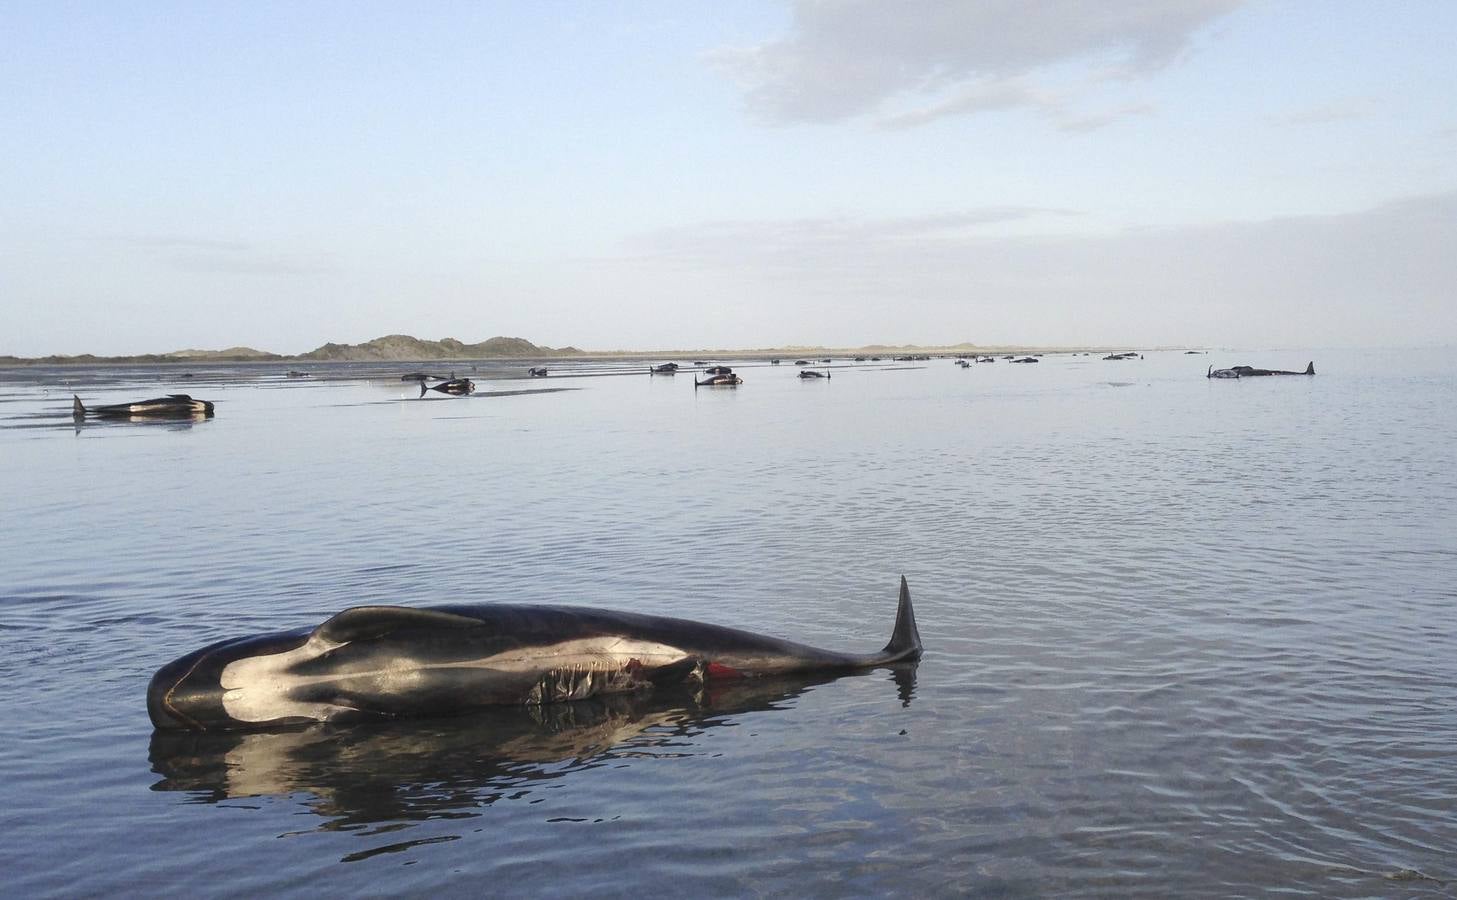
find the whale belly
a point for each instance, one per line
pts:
(296, 684)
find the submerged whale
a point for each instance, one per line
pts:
(373, 662)
(172, 406)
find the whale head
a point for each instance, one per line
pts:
(297, 677)
(187, 694)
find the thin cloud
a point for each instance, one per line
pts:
(1095, 121)
(1059, 108)
(1338, 111)
(980, 97)
(175, 242)
(211, 256)
(824, 237)
(252, 264)
(1383, 274)
(864, 57)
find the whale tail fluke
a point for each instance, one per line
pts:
(1310, 368)
(905, 641)
(77, 410)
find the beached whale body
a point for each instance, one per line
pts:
(387, 661)
(1252, 372)
(172, 406)
(458, 387)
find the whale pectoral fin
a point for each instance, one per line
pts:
(689, 669)
(363, 623)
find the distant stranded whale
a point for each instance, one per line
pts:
(172, 406)
(458, 387)
(1252, 372)
(374, 662)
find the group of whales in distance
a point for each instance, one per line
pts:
(384, 662)
(184, 406)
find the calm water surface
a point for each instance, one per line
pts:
(1184, 637)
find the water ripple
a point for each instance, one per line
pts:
(1184, 638)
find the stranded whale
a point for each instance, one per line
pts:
(458, 387)
(172, 406)
(374, 662)
(1252, 372)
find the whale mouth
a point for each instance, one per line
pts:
(187, 695)
(162, 699)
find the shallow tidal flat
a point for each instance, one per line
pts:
(1183, 637)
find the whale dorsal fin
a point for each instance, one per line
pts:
(905, 641)
(362, 623)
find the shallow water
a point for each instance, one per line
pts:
(1184, 637)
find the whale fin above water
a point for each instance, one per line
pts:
(362, 623)
(905, 639)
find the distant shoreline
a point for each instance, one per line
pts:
(82, 360)
(405, 349)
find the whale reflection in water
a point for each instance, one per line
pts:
(412, 770)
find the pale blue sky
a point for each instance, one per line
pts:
(660, 175)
